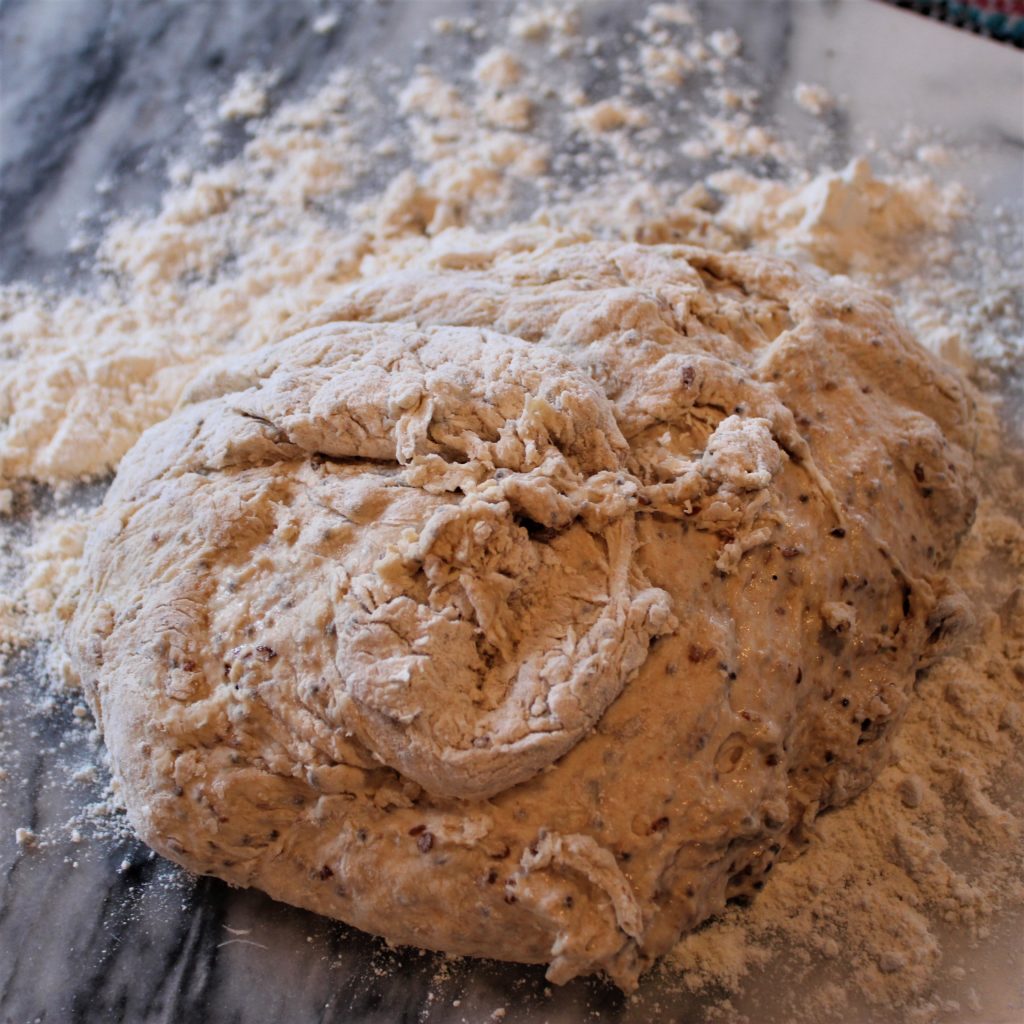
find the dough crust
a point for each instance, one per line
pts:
(532, 601)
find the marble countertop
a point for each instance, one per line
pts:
(93, 89)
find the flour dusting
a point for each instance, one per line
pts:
(428, 167)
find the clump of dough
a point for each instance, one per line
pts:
(531, 601)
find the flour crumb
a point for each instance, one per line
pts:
(324, 24)
(248, 98)
(911, 791)
(725, 43)
(428, 94)
(815, 99)
(498, 68)
(934, 155)
(538, 23)
(13, 631)
(514, 112)
(610, 115)
(665, 66)
(739, 138)
(671, 14)
(25, 838)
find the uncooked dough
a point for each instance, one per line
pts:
(529, 602)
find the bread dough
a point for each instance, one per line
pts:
(532, 601)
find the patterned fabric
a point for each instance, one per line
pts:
(999, 19)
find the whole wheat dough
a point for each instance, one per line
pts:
(532, 601)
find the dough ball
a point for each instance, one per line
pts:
(531, 601)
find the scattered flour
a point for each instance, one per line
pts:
(238, 250)
(843, 220)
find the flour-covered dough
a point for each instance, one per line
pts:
(531, 601)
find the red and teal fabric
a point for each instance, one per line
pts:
(1000, 19)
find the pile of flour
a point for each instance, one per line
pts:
(320, 196)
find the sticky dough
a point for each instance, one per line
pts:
(532, 601)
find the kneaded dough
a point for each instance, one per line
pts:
(532, 601)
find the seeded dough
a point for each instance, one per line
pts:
(532, 601)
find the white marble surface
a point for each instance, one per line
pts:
(103, 931)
